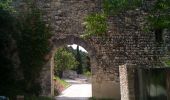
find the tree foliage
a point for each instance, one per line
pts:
(116, 6)
(159, 16)
(31, 37)
(84, 59)
(64, 60)
(95, 25)
(8, 81)
(6, 5)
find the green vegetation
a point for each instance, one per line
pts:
(59, 85)
(33, 45)
(112, 7)
(88, 73)
(31, 40)
(95, 25)
(68, 58)
(167, 61)
(159, 20)
(62, 82)
(9, 86)
(159, 16)
(5, 5)
(82, 58)
(64, 60)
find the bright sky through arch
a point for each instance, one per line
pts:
(74, 46)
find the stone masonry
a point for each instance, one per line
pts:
(125, 44)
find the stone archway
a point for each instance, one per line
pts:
(58, 41)
(103, 86)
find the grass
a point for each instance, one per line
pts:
(37, 98)
(60, 85)
(62, 82)
(88, 74)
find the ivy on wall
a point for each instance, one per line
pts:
(159, 16)
(10, 85)
(33, 45)
(96, 23)
(112, 7)
(31, 36)
(5, 4)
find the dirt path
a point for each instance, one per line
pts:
(79, 90)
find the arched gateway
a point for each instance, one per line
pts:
(99, 89)
(124, 48)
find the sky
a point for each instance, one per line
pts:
(74, 46)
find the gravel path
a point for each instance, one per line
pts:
(79, 90)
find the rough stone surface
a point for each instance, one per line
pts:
(125, 42)
(127, 81)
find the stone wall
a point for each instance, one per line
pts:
(125, 43)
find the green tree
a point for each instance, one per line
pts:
(85, 60)
(159, 16)
(64, 60)
(8, 82)
(5, 4)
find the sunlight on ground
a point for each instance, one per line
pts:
(77, 91)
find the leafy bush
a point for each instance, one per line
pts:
(60, 85)
(159, 17)
(95, 25)
(8, 82)
(5, 4)
(116, 6)
(88, 73)
(64, 60)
